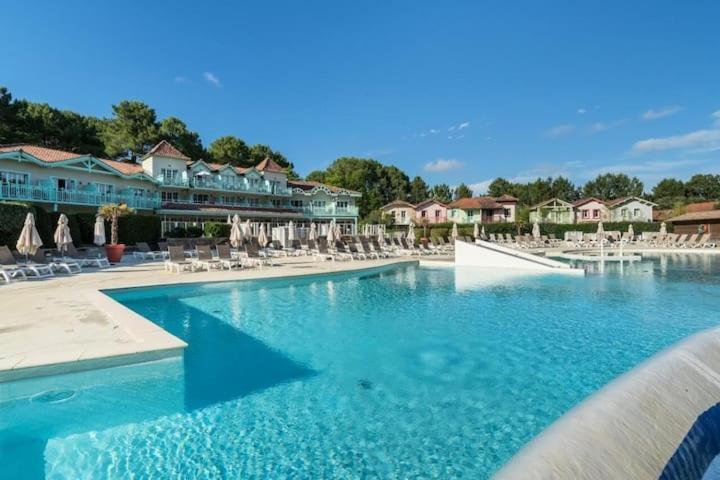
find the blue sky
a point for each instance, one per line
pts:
(453, 91)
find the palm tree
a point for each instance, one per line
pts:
(111, 212)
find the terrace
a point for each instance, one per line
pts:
(83, 197)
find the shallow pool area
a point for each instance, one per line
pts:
(398, 372)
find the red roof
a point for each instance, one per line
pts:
(128, 168)
(49, 155)
(583, 201)
(269, 165)
(165, 149)
(429, 201)
(478, 203)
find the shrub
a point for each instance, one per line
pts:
(194, 232)
(86, 225)
(217, 229)
(12, 219)
(139, 228)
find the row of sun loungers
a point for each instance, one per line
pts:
(591, 241)
(46, 264)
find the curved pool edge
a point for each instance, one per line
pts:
(631, 427)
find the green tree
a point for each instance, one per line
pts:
(8, 116)
(703, 187)
(316, 176)
(564, 189)
(176, 132)
(462, 191)
(609, 186)
(230, 149)
(442, 192)
(133, 128)
(362, 175)
(668, 193)
(499, 187)
(419, 190)
(394, 184)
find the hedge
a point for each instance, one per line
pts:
(138, 228)
(217, 229)
(12, 218)
(466, 229)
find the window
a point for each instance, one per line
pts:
(636, 213)
(14, 178)
(65, 183)
(341, 205)
(586, 214)
(277, 203)
(624, 213)
(423, 214)
(318, 203)
(169, 196)
(200, 198)
(470, 214)
(506, 212)
(105, 188)
(402, 214)
(596, 213)
(254, 202)
(437, 214)
(169, 175)
(296, 203)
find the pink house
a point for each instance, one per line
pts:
(432, 211)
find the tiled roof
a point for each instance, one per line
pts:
(269, 165)
(49, 155)
(398, 204)
(506, 198)
(128, 168)
(583, 201)
(309, 185)
(700, 207)
(165, 149)
(697, 216)
(476, 203)
(430, 201)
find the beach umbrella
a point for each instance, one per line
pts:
(331, 233)
(482, 232)
(62, 235)
(99, 232)
(663, 229)
(313, 232)
(454, 233)
(338, 232)
(236, 233)
(291, 231)
(381, 236)
(600, 231)
(246, 230)
(229, 220)
(411, 232)
(631, 231)
(476, 230)
(536, 231)
(262, 236)
(29, 240)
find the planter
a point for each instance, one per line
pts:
(115, 252)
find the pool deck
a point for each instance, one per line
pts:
(66, 324)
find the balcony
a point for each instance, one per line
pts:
(330, 211)
(209, 183)
(50, 194)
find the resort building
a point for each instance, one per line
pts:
(165, 182)
(698, 222)
(590, 209)
(554, 210)
(483, 210)
(401, 211)
(431, 211)
(631, 209)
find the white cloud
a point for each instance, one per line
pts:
(699, 139)
(422, 134)
(661, 113)
(559, 131)
(598, 127)
(581, 110)
(716, 117)
(433, 131)
(181, 79)
(646, 167)
(212, 79)
(481, 187)
(450, 129)
(467, 124)
(443, 165)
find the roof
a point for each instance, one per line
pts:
(621, 200)
(430, 201)
(128, 168)
(585, 200)
(165, 149)
(506, 198)
(555, 199)
(398, 204)
(48, 155)
(477, 203)
(269, 165)
(696, 216)
(700, 207)
(309, 185)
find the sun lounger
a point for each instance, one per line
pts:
(176, 260)
(144, 252)
(204, 259)
(702, 241)
(322, 253)
(369, 252)
(92, 257)
(355, 252)
(255, 257)
(57, 265)
(225, 258)
(690, 241)
(341, 253)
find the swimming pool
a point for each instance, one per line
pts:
(402, 372)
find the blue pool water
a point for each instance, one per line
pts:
(402, 373)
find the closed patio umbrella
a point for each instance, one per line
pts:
(246, 230)
(313, 232)
(291, 231)
(62, 235)
(631, 231)
(236, 233)
(454, 233)
(600, 231)
(229, 220)
(99, 232)
(536, 231)
(482, 233)
(476, 230)
(381, 236)
(411, 232)
(331, 233)
(29, 240)
(262, 236)
(663, 229)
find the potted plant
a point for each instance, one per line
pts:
(111, 212)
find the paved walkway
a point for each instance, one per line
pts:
(64, 323)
